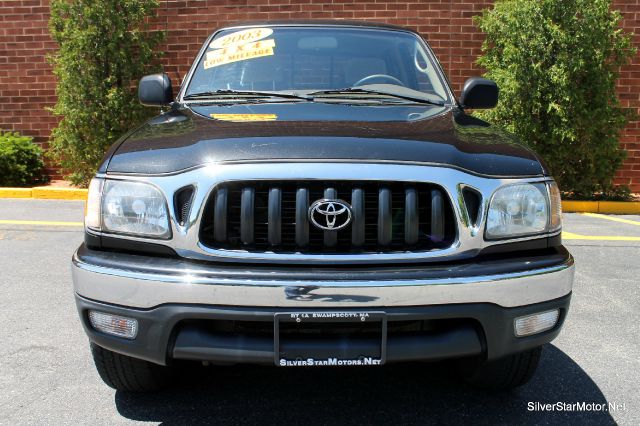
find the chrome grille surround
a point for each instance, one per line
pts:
(468, 242)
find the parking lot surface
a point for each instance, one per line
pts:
(47, 376)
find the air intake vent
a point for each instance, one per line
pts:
(472, 201)
(260, 216)
(182, 203)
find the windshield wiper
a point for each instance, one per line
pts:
(243, 94)
(394, 91)
(385, 90)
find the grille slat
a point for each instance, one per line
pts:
(385, 222)
(410, 216)
(247, 210)
(437, 216)
(274, 222)
(358, 220)
(259, 216)
(302, 221)
(220, 223)
(330, 237)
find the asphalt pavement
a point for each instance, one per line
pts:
(47, 375)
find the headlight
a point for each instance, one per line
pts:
(132, 208)
(523, 209)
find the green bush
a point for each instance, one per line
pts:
(20, 160)
(557, 62)
(104, 48)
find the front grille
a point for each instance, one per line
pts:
(387, 217)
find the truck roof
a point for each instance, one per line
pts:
(318, 23)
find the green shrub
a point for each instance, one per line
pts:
(557, 62)
(20, 160)
(104, 48)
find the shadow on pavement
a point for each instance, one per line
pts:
(394, 394)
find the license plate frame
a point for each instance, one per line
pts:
(326, 317)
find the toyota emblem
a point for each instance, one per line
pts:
(330, 215)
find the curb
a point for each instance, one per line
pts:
(609, 207)
(45, 193)
(16, 192)
(51, 193)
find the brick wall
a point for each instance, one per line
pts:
(27, 86)
(629, 93)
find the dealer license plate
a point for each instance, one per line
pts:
(312, 339)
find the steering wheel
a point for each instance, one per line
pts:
(391, 78)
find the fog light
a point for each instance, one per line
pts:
(536, 323)
(114, 324)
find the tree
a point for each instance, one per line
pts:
(556, 63)
(105, 47)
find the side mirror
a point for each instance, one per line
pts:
(479, 93)
(155, 90)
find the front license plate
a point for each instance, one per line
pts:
(312, 339)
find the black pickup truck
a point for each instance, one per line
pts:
(315, 195)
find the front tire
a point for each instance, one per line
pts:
(504, 373)
(129, 374)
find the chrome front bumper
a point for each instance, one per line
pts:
(144, 282)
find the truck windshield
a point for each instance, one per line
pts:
(320, 60)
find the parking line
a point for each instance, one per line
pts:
(39, 223)
(613, 218)
(571, 236)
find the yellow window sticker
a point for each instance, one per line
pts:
(245, 117)
(239, 52)
(241, 37)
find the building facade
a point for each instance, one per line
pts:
(27, 85)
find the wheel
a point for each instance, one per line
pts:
(504, 373)
(128, 374)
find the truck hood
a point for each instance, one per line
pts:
(192, 136)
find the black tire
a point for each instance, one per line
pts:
(128, 374)
(502, 374)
